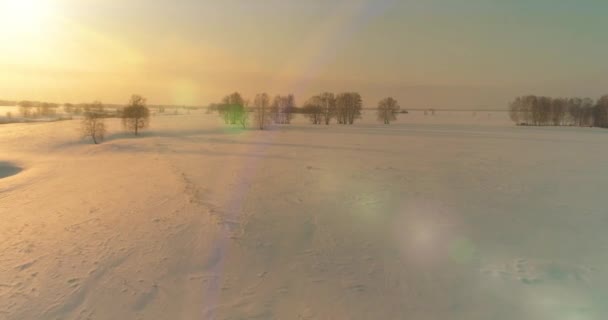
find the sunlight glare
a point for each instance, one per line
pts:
(21, 17)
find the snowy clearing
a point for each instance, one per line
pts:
(460, 215)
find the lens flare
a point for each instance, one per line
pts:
(462, 250)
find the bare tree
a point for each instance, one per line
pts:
(348, 107)
(93, 126)
(387, 110)
(342, 108)
(282, 109)
(232, 108)
(574, 110)
(276, 112)
(601, 112)
(515, 109)
(313, 108)
(261, 106)
(355, 107)
(558, 111)
(544, 107)
(587, 107)
(136, 115)
(289, 108)
(538, 111)
(244, 118)
(328, 103)
(541, 111)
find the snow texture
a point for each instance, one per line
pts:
(459, 215)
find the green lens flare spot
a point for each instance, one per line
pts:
(462, 251)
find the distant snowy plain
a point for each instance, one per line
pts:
(459, 215)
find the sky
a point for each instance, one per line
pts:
(431, 53)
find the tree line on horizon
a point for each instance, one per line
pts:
(39, 109)
(345, 108)
(31, 109)
(534, 110)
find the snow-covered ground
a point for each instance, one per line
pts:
(452, 216)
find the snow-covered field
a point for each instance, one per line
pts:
(452, 216)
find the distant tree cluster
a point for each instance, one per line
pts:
(345, 107)
(313, 108)
(232, 109)
(348, 107)
(547, 111)
(321, 108)
(85, 108)
(33, 109)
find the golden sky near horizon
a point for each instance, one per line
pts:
(425, 53)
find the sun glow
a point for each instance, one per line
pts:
(22, 17)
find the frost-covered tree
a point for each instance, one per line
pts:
(136, 115)
(387, 110)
